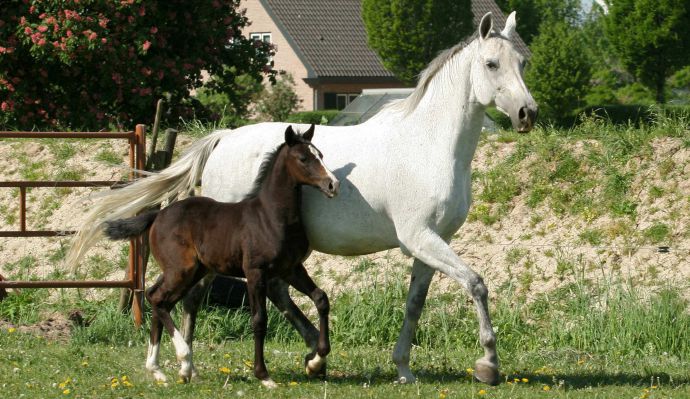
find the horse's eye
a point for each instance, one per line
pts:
(492, 65)
(302, 159)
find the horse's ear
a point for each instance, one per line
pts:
(509, 29)
(309, 134)
(291, 137)
(485, 26)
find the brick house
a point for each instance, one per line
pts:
(323, 45)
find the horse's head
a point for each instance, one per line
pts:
(305, 162)
(497, 75)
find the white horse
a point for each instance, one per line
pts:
(405, 181)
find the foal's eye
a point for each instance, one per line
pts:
(492, 65)
(302, 159)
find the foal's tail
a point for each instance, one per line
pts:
(180, 177)
(122, 229)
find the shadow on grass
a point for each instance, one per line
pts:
(576, 380)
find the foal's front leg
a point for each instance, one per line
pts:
(315, 363)
(256, 288)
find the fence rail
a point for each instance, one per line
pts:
(137, 161)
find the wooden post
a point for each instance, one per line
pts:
(139, 272)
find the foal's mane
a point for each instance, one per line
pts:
(266, 167)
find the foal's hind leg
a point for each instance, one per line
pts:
(175, 283)
(190, 308)
(315, 363)
(155, 339)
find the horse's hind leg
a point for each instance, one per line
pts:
(190, 308)
(419, 287)
(315, 363)
(278, 292)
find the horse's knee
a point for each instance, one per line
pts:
(478, 288)
(259, 323)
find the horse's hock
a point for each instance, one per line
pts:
(137, 161)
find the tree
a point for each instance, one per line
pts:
(559, 71)
(88, 63)
(532, 13)
(280, 101)
(651, 39)
(408, 34)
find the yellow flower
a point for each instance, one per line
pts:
(224, 370)
(442, 394)
(546, 388)
(516, 380)
(293, 383)
(226, 356)
(66, 392)
(124, 378)
(469, 370)
(525, 380)
(248, 363)
(11, 330)
(127, 383)
(84, 363)
(654, 387)
(482, 392)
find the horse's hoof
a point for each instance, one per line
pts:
(486, 372)
(315, 365)
(406, 379)
(269, 383)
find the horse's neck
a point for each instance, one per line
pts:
(280, 195)
(449, 112)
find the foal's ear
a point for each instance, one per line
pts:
(291, 138)
(309, 134)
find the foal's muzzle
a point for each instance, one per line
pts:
(330, 187)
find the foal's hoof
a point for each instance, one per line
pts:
(269, 383)
(315, 365)
(486, 372)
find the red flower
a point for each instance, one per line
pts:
(154, 30)
(4, 106)
(146, 45)
(42, 28)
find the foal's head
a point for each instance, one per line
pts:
(304, 162)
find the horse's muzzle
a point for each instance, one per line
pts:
(527, 117)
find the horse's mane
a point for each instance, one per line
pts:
(407, 105)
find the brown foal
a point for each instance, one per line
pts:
(259, 238)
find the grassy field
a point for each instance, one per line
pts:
(580, 341)
(623, 335)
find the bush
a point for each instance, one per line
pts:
(320, 117)
(89, 63)
(279, 102)
(636, 114)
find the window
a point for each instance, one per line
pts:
(338, 100)
(263, 36)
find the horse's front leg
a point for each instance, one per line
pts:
(416, 296)
(256, 288)
(315, 363)
(432, 250)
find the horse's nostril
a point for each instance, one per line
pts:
(522, 114)
(331, 186)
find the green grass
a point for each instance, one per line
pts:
(585, 339)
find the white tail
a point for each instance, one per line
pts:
(180, 177)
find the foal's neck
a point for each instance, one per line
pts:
(280, 195)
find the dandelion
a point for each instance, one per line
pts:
(11, 330)
(443, 394)
(66, 391)
(546, 388)
(525, 380)
(482, 392)
(226, 356)
(224, 370)
(293, 383)
(85, 363)
(516, 380)
(469, 370)
(248, 363)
